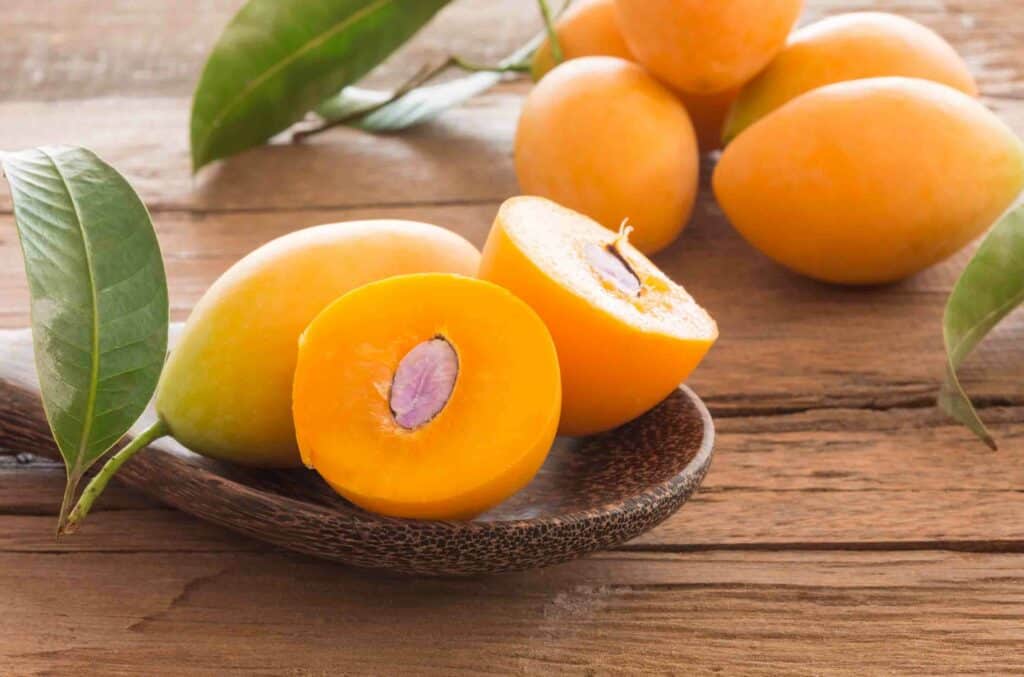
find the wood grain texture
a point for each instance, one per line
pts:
(845, 528)
(746, 613)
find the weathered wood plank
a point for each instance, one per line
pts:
(761, 520)
(741, 613)
(464, 156)
(58, 49)
(787, 342)
(65, 49)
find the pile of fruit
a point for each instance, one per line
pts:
(419, 378)
(855, 149)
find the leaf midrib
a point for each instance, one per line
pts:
(320, 39)
(94, 370)
(984, 324)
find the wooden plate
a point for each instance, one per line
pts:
(592, 493)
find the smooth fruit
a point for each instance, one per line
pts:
(591, 28)
(426, 396)
(706, 46)
(626, 334)
(226, 388)
(870, 181)
(601, 136)
(849, 47)
(588, 28)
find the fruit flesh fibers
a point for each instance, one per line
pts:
(601, 136)
(588, 28)
(869, 181)
(849, 47)
(706, 46)
(226, 389)
(488, 440)
(620, 353)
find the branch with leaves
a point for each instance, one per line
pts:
(99, 302)
(278, 60)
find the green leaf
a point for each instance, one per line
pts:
(990, 287)
(278, 59)
(98, 298)
(377, 111)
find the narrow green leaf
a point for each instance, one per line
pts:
(98, 297)
(374, 110)
(278, 59)
(990, 287)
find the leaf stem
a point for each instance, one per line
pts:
(69, 497)
(424, 74)
(549, 25)
(99, 482)
(517, 67)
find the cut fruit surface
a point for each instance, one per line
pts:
(225, 390)
(428, 396)
(623, 346)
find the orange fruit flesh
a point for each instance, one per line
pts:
(620, 353)
(486, 442)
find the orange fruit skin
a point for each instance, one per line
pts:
(705, 46)
(486, 443)
(849, 47)
(869, 181)
(588, 28)
(591, 28)
(708, 114)
(225, 390)
(601, 136)
(612, 370)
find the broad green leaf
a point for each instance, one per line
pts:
(376, 111)
(98, 297)
(278, 59)
(990, 287)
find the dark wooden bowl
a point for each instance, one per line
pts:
(592, 493)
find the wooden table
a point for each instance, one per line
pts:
(846, 525)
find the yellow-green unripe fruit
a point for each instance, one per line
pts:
(226, 389)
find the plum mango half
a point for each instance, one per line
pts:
(430, 396)
(626, 334)
(226, 388)
(870, 181)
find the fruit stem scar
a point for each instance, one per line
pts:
(423, 383)
(611, 266)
